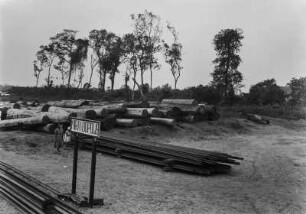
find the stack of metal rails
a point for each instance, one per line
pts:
(170, 157)
(29, 195)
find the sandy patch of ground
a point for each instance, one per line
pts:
(271, 179)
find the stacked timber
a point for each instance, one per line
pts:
(3, 111)
(180, 101)
(19, 113)
(170, 157)
(154, 112)
(123, 122)
(82, 113)
(141, 104)
(37, 119)
(68, 103)
(57, 114)
(186, 110)
(136, 113)
(130, 114)
(108, 122)
(163, 121)
(115, 108)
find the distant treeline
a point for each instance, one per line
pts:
(263, 93)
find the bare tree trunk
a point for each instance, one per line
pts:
(151, 86)
(104, 80)
(126, 79)
(100, 79)
(133, 91)
(112, 78)
(48, 78)
(140, 89)
(81, 75)
(112, 82)
(49, 73)
(134, 83)
(63, 77)
(92, 67)
(69, 77)
(37, 81)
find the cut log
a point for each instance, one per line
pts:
(190, 118)
(22, 103)
(139, 104)
(10, 105)
(121, 122)
(19, 113)
(154, 103)
(38, 119)
(209, 112)
(115, 108)
(180, 101)
(58, 115)
(101, 112)
(136, 113)
(255, 118)
(68, 103)
(108, 122)
(163, 121)
(154, 112)
(16, 105)
(174, 113)
(35, 103)
(48, 128)
(143, 121)
(191, 109)
(3, 113)
(45, 108)
(82, 113)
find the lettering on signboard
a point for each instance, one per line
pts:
(85, 127)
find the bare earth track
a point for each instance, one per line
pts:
(271, 179)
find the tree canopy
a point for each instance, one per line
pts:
(298, 90)
(266, 92)
(71, 52)
(227, 44)
(173, 55)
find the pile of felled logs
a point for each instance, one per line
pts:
(186, 110)
(131, 114)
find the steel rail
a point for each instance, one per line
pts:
(27, 197)
(199, 156)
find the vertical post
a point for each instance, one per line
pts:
(75, 164)
(92, 172)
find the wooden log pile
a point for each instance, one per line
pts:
(131, 114)
(170, 157)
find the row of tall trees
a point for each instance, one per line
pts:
(139, 51)
(106, 51)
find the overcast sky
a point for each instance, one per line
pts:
(274, 45)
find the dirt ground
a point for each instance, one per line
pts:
(271, 179)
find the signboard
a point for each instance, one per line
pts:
(87, 127)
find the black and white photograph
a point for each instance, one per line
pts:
(156, 107)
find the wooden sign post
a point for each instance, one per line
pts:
(90, 128)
